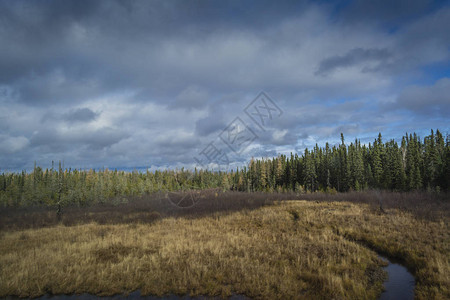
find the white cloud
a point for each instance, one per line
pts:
(11, 145)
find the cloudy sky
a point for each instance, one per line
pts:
(135, 84)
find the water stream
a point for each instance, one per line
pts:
(400, 284)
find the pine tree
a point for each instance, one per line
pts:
(413, 163)
(358, 167)
(343, 167)
(310, 172)
(445, 181)
(377, 165)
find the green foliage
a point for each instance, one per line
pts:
(414, 165)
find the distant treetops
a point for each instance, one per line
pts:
(411, 165)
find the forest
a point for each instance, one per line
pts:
(411, 165)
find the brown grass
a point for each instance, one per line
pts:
(291, 249)
(150, 208)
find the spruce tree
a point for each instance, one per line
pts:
(377, 165)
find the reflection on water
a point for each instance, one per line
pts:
(400, 284)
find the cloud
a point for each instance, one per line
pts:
(347, 129)
(10, 144)
(113, 83)
(430, 100)
(191, 97)
(212, 123)
(63, 139)
(276, 137)
(354, 57)
(80, 115)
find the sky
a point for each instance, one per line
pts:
(171, 84)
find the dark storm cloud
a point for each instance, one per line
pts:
(80, 115)
(352, 58)
(177, 143)
(124, 39)
(72, 116)
(32, 33)
(210, 124)
(98, 139)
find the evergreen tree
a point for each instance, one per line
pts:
(310, 171)
(377, 165)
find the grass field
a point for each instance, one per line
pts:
(266, 249)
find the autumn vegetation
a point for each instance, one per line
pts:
(231, 243)
(298, 227)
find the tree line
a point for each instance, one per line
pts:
(412, 164)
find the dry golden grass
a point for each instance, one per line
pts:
(297, 249)
(420, 244)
